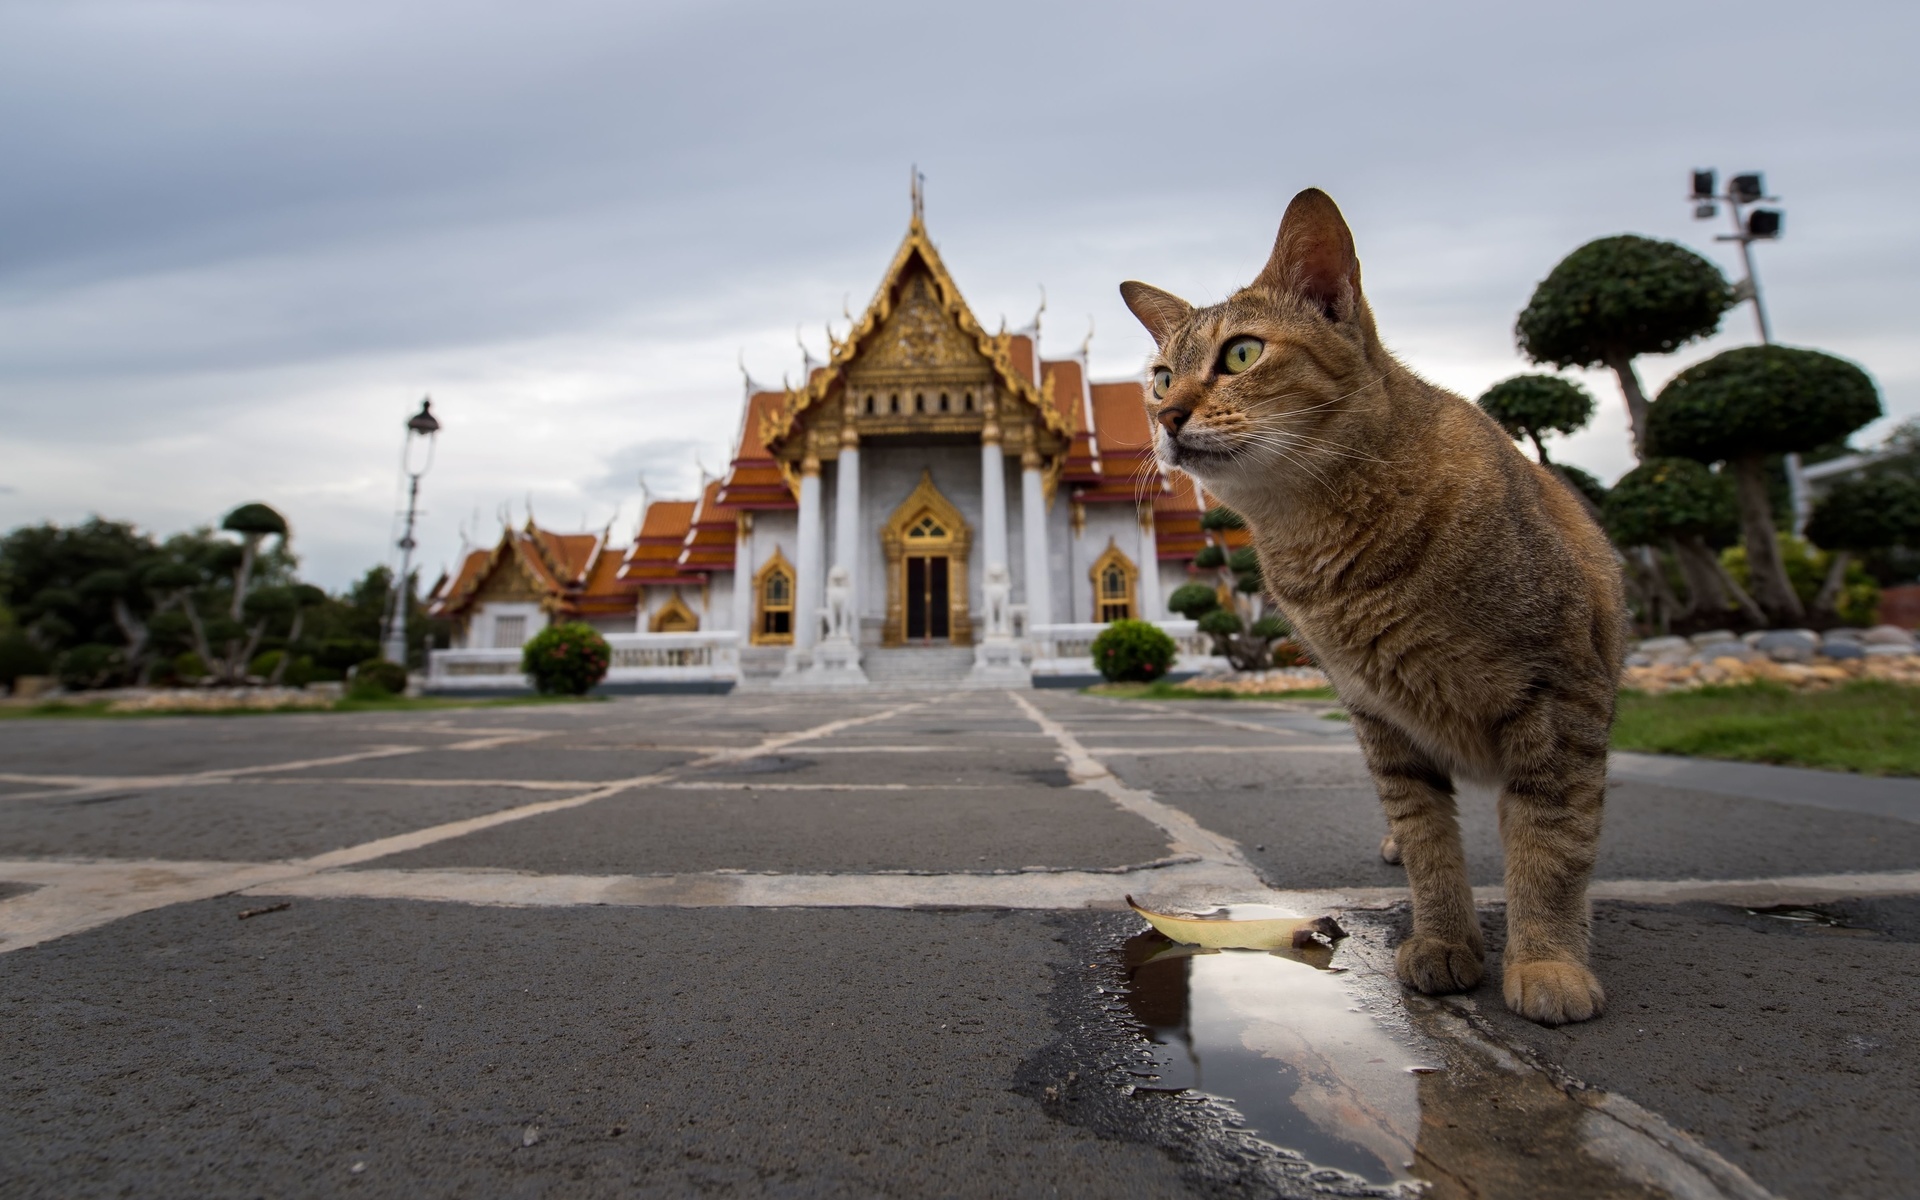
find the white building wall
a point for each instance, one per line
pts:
(891, 473)
(1120, 523)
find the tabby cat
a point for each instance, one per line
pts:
(1466, 608)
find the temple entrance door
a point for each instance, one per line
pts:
(928, 608)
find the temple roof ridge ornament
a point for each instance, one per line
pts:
(996, 349)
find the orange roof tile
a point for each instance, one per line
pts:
(753, 480)
(654, 556)
(712, 536)
(1120, 418)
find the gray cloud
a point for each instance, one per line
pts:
(238, 241)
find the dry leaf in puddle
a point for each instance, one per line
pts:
(1218, 933)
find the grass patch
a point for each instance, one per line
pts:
(1869, 727)
(1163, 690)
(99, 709)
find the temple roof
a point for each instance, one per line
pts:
(654, 557)
(569, 574)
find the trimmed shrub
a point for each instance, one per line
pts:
(1133, 652)
(89, 665)
(377, 679)
(19, 656)
(1211, 557)
(188, 667)
(1271, 626)
(566, 660)
(1193, 600)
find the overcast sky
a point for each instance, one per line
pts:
(240, 240)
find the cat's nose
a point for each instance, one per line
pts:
(1172, 417)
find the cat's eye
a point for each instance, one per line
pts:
(1162, 383)
(1241, 353)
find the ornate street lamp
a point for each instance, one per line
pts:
(421, 430)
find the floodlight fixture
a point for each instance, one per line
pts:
(1702, 212)
(1703, 184)
(1746, 189)
(1763, 223)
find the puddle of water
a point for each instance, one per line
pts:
(1799, 915)
(1280, 1039)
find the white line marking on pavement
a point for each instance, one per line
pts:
(1039, 889)
(730, 786)
(1185, 835)
(1335, 748)
(70, 901)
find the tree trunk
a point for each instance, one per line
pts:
(1621, 363)
(1824, 603)
(135, 631)
(1538, 448)
(1660, 603)
(1767, 574)
(286, 656)
(243, 575)
(199, 628)
(1740, 597)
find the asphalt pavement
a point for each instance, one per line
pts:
(875, 946)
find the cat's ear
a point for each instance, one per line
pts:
(1161, 312)
(1313, 257)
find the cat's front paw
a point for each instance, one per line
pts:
(1552, 991)
(1436, 966)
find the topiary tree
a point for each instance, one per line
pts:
(1129, 651)
(568, 659)
(254, 523)
(1857, 516)
(1743, 405)
(1532, 406)
(1193, 600)
(1617, 298)
(1681, 504)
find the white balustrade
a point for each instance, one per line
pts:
(636, 658)
(1068, 649)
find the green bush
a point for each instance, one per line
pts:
(1133, 652)
(377, 679)
(189, 667)
(1192, 600)
(1271, 626)
(567, 659)
(299, 672)
(1220, 623)
(1210, 558)
(89, 665)
(19, 656)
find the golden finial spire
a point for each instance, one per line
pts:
(917, 183)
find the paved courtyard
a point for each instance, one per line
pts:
(876, 945)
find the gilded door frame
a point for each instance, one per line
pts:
(926, 500)
(775, 562)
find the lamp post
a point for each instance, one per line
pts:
(421, 427)
(1756, 225)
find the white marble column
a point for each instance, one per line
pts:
(743, 567)
(846, 520)
(1152, 603)
(993, 502)
(1033, 528)
(811, 572)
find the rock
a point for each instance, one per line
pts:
(1888, 635)
(1667, 649)
(1751, 638)
(1713, 637)
(1843, 634)
(1883, 651)
(1727, 651)
(1788, 645)
(1842, 649)
(1638, 660)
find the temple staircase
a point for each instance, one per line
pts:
(918, 667)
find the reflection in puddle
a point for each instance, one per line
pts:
(1278, 1037)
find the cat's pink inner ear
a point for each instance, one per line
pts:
(1161, 312)
(1313, 258)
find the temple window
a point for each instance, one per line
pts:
(943, 402)
(773, 595)
(509, 633)
(894, 406)
(969, 401)
(1114, 577)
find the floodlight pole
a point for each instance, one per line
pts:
(423, 425)
(1749, 289)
